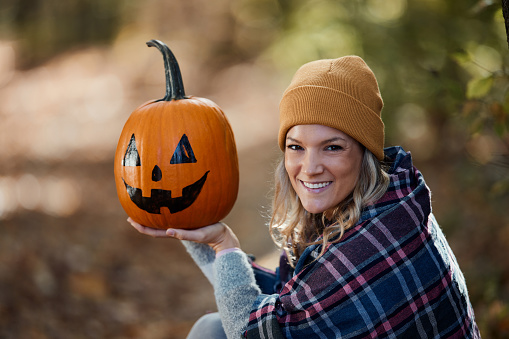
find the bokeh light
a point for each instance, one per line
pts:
(387, 11)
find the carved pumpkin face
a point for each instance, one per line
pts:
(160, 197)
(176, 164)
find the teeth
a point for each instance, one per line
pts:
(319, 185)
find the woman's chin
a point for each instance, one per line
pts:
(313, 209)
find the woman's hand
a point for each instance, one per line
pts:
(218, 236)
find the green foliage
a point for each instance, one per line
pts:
(45, 28)
(478, 87)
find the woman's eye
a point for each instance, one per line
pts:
(334, 148)
(294, 147)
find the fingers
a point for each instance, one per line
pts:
(153, 232)
(205, 234)
(219, 236)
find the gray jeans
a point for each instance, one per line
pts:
(208, 326)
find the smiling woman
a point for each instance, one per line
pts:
(323, 165)
(363, 255)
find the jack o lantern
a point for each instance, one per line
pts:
(176, 161)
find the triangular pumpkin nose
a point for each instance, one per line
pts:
(157, 175)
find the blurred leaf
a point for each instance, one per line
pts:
(461, 57)
(479, 87)
(500, 129)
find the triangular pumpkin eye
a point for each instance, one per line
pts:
(183, 153)
(131, 157)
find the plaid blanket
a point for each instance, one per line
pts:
(393, 275)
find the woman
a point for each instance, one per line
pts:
(363, 255)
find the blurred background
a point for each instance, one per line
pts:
(71, 72)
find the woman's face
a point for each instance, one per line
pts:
(323, 164)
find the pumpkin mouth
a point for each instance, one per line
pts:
(162, 198)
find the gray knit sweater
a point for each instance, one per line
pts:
(234, 284)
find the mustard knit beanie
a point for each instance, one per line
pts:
(340, 93)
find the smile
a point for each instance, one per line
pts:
(162, 198)
(316, 185)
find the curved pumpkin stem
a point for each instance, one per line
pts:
(174, 84)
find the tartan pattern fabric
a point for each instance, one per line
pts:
(393, 275)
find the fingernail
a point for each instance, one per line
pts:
(170, 232)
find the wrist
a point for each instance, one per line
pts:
(226, 246)
(228, 250)
(228, 240)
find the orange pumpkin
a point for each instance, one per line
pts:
(176, 161)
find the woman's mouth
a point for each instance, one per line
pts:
(316, 185)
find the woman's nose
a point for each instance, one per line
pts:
(312, 164)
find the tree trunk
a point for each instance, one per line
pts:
(505, 11)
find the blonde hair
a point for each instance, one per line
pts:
(293, 228)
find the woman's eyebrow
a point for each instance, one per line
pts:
(292, 139)
(327, 141)
(333, 140)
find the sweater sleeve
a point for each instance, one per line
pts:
(235, 291)
(204, 256)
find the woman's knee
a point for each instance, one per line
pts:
(208, 325)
